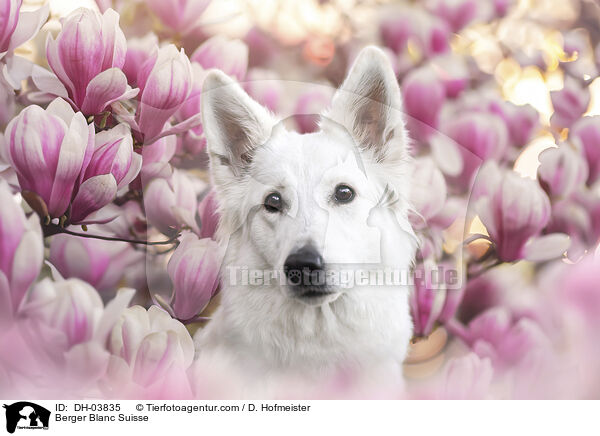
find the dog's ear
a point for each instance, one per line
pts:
(369, 106)
(234, 124)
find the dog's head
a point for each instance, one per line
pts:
(315, 206)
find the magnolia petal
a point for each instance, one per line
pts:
(70, 165)
(28, 25)
(86, 362)
(104, 89)
(547, 247)
(95, 193)
(115, 44)
(48, 83)
(61, 109)
(446, 155)
(27, 263)
(112, 313)
(6, 306)
(56, 64)
(56, 275)
(184, 126)
(17, 69)
(134, 169)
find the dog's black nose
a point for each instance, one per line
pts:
(302, 265)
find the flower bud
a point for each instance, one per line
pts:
(194, 271)
(50, 150)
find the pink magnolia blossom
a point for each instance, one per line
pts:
(171, 204)
(562, 170)
(209, 215)
(165, 82)
(194, 271)
(147, 347)
(586, 134)
(514, 211)
(87, 57)
(17, 28)
(59, 339)
(179, 16)
(21, 252)
(401, 25)
(50, 151)
(227, 55)
(113, 166)
(480, 136)
(569, 103)
(424, 94)
(102, 264)
(522, 121)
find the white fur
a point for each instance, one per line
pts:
(362, 143)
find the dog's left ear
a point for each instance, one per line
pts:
(369, 106)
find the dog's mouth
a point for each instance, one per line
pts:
(314, 295)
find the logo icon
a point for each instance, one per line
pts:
(26, 415)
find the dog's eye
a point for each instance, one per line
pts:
(343, 194)
(273, 202)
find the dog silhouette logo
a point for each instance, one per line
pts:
(26, 415)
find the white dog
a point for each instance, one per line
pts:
(312, 206)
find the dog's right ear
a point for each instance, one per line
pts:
(234, 125)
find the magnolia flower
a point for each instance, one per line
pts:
(87, 57)
(50, 151)
(59, 339)
(180, 16)
(308, 107)
(569, 103)
(480, 137)
(586, 134)
(17, 28)
(424, 94)
(102, 264)
(21, 252)
(194, 271)
(521, 121)
(171, 204)
(401, 25)
(113, 166)
(227, 55)
(165, 82)
(562, 170)
(514, 210)
(148, 344)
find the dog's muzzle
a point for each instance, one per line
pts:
(305, 273)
